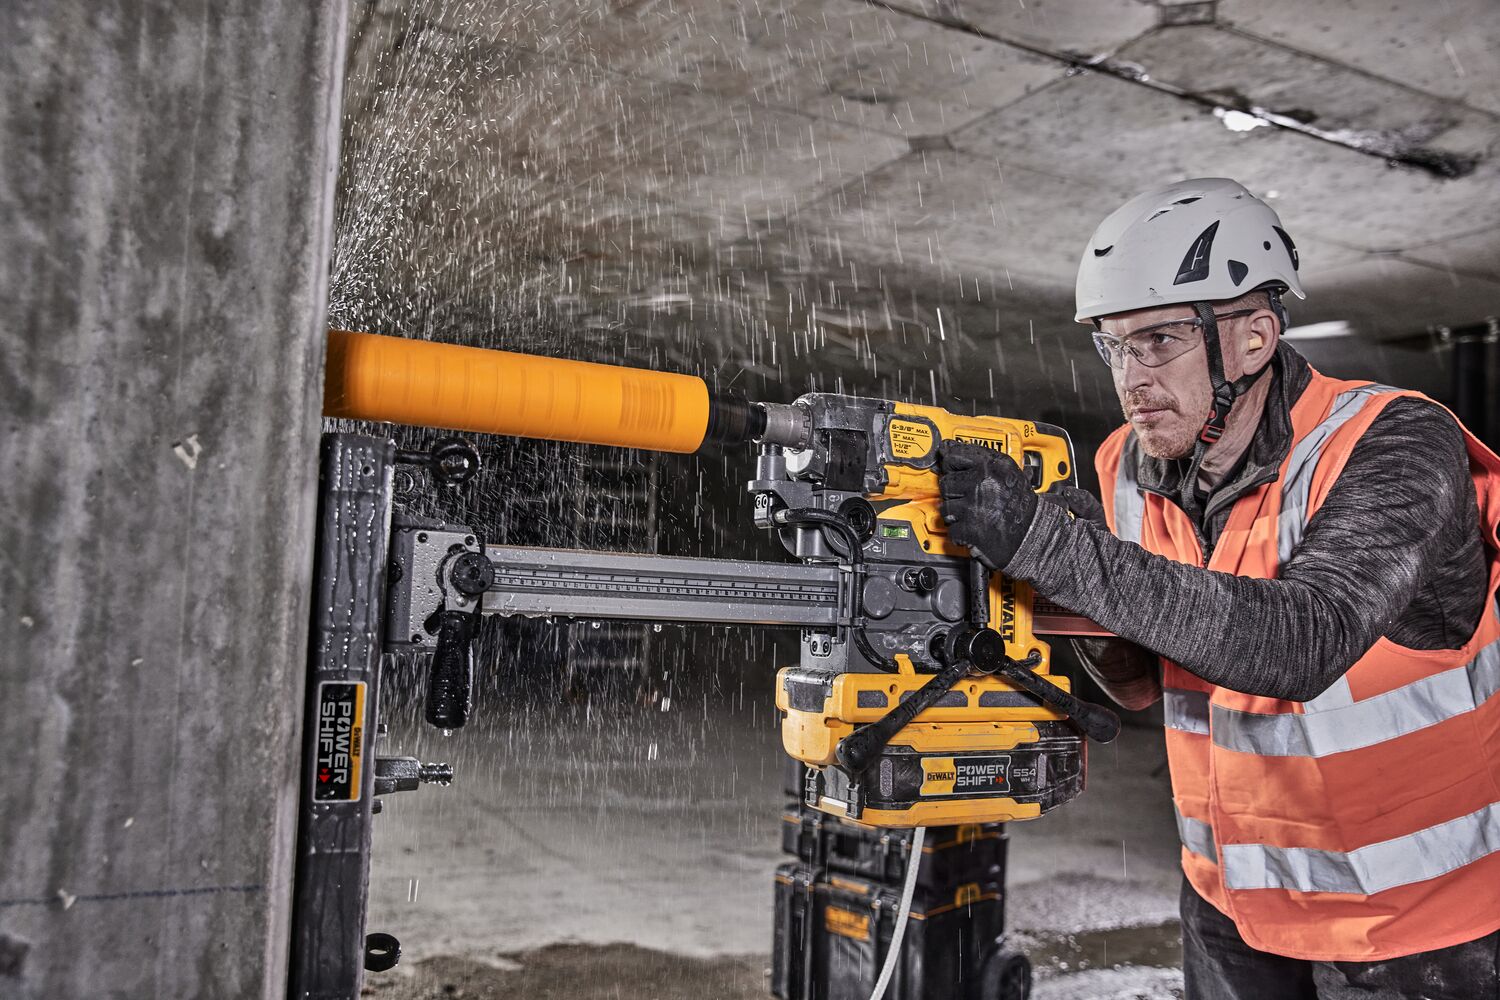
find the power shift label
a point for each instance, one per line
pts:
(341, 742)
(966, 775)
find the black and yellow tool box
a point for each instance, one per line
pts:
(951, 855)
(833, 932)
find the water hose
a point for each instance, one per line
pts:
(903, 913)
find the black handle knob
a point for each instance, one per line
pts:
(452, 460)
(472, 573)
(382, 952)
(452, 672)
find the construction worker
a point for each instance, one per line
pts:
(1304, 569)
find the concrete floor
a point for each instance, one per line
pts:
(629, 854)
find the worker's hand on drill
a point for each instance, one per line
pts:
(989, 505)
(1080, 503)
(986, 501)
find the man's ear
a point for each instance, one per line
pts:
(1261, 339)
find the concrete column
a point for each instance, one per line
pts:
(166, 192)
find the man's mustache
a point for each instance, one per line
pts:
(1144, 401)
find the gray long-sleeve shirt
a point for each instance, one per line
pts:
(1395, 550)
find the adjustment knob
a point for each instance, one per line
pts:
(981, 647)
(472, 573)
(919, 580)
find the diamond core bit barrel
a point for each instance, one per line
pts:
(418, 382)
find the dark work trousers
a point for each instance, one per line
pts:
(1218, 965)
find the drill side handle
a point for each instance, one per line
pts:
(1097, 722)
(984, 648)
(451, 675)
(857, 751)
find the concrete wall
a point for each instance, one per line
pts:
(166, 194)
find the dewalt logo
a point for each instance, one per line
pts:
(1008, 611)
(938, 775)
(991, 443)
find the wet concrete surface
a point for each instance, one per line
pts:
(629, 854)
(1123, 964)
(580, 972)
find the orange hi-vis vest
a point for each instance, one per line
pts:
(1364, 824)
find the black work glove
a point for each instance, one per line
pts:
(1080, 503)
(986, 501)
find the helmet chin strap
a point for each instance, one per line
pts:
(1225, 393)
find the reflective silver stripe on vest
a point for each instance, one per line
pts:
(1130, 505)
(1196, 835)
(1415, 857)
(1364, 723)
(1185, 710)
(1337, 695)
(1296, 484)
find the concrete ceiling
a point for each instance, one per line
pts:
(896, 194)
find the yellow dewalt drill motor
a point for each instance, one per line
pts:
(938, 708)
(922, 695)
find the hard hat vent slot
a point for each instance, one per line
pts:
(1163, 211)
(1103, 252)
(1237, 271)
(1195, 263)
(1291, 248)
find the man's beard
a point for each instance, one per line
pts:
(1166, 436)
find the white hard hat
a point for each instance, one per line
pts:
(1203, 240)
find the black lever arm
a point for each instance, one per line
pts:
(1097, 722)
(858, 750)
(986, 651)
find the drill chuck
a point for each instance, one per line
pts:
(786, 424)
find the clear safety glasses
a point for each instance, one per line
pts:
(1155, 345)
